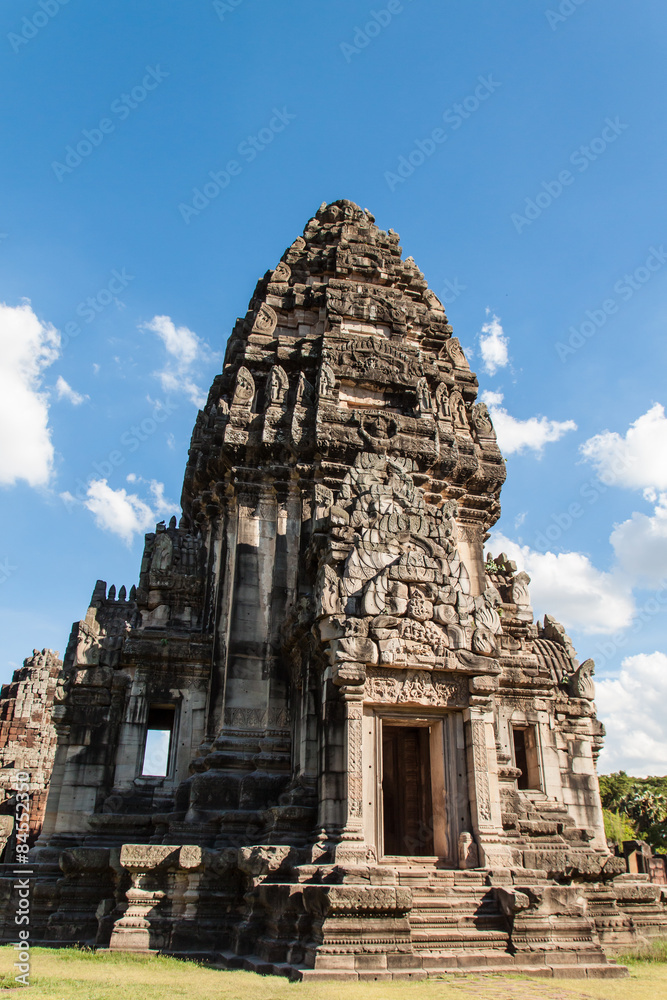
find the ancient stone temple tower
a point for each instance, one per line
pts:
(374, 762)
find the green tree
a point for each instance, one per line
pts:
(617, 828)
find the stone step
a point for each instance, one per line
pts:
(543, 972)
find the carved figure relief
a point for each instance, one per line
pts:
(377, 430)
(442, 402)
(282, 273)
(327, 382)
(278, 386)
(88, 648)
(244, 392)
(424, 401)
(162, 553)
(266, 320)
(417, 687)
(458, 409)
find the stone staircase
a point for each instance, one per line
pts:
(456, 922)
(543, 834)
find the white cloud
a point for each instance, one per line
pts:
(185, 350)
(636, 461)
(122, 513)
(65, 391)
(632, 707)
(27, 348)
(568, 586)
(493, 345)
(640, 543)
(515, 436)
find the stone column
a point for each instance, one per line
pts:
(485, 809)
(158, 895)
(351, 849)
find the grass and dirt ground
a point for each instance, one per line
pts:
(71, 974)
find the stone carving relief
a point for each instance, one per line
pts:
(282, 273)
(481, 766)
(458, 409)
(327, 382)
(520, 594)
(378, 359)
(266, 320)
(354, 759)
(88, 647)
(377, 430)
(162, 553)
(393, 568)
(302, 416)
(416, 687)
(456, 354)
(295, 250)
(442, 409)
(278, 386)
(275, 417)
(468, 853)
(244, 393)
(482, 420)
(424, 400)
(256, 718)
(581, 682)
(241, 408)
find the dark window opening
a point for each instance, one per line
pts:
(159, 740)
(406, 790)
(520, 757)
(526, 757)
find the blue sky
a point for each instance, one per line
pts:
(519, 149)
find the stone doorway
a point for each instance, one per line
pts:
(431, 759)
(407, 808)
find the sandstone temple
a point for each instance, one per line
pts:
(323, 735)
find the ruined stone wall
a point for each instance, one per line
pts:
(27, 735)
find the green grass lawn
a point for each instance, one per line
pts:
(69, 974)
